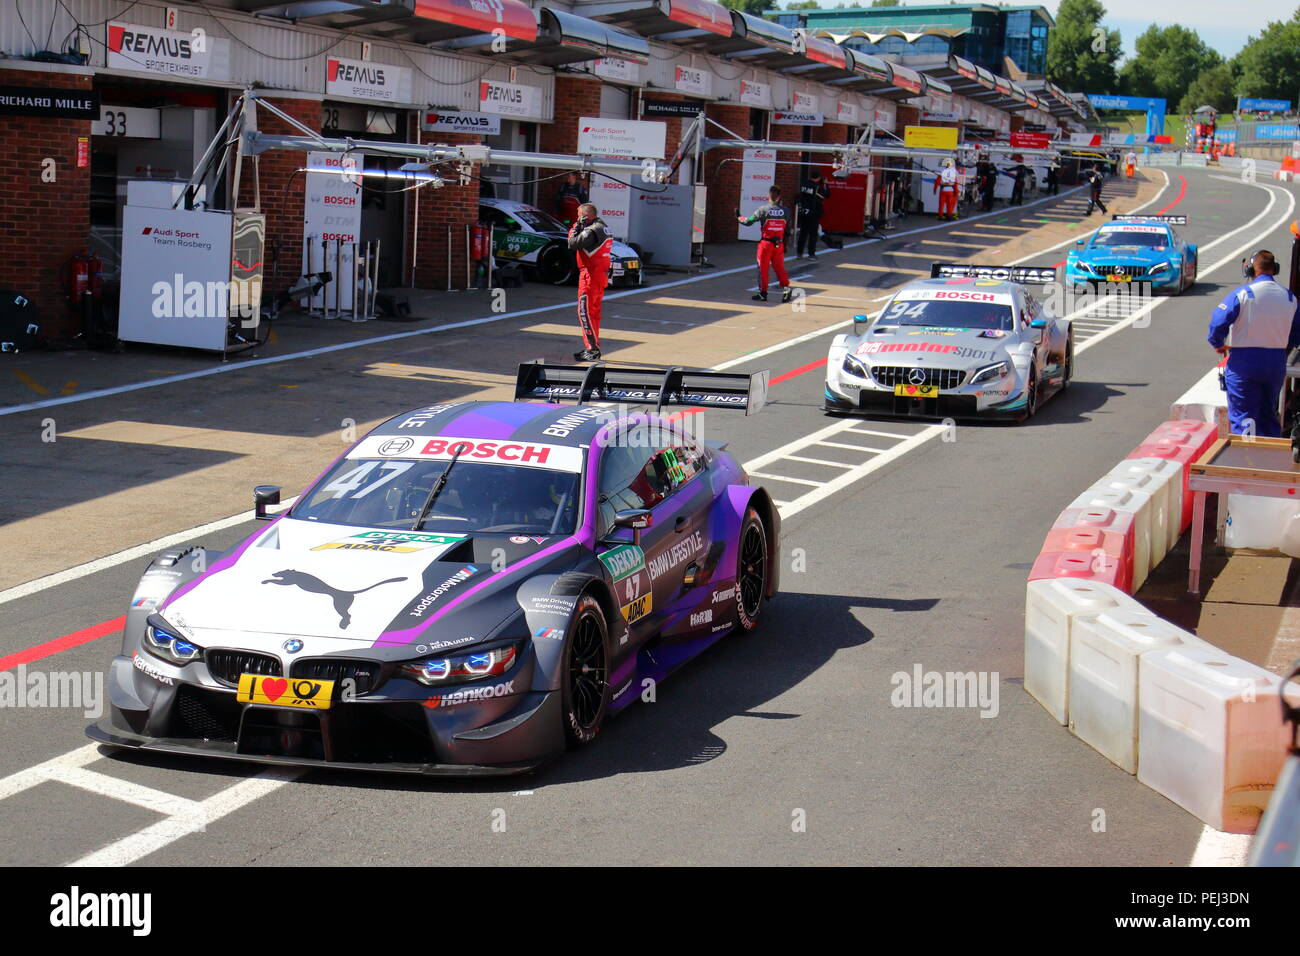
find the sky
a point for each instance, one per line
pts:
(1223, 24)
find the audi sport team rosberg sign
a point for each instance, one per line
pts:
(367, 81)
(631, 139)
(195, 55)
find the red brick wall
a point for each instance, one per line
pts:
(283, 191)
(451, 205)
(722, 179)
(907, 116)
(1017, 122)
(575, 97)
(44, 223)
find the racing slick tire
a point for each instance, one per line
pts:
(554, 265)
(1068, 375)
(1031, 397)
(584, 680)
(751, 571)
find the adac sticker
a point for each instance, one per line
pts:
(623, 561)
(639, 608)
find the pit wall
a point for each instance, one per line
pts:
(1196, 725)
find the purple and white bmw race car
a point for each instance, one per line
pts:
(468, 589)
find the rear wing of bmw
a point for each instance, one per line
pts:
(1169, 220)
(642, 386)
(1024, 274)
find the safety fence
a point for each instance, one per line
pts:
(1192, 722)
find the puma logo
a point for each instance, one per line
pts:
(314, 585)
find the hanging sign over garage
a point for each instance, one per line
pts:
(930, 137)
(45, 101)
(508, 99)
(651, 107)
(616, 68)
(756, 94)
(690, 79)
(453, 121)
(633, 139)
(367, 81)
(791, 118)
(195, 55)
(846, 113)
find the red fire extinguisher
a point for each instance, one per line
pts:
(479, 241)
(85, 276)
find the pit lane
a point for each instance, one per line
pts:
(920, 559)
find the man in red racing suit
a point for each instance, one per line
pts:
(775, 223)
(590, 240)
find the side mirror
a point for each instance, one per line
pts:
(638, 519)
(860, 324)
(1038, 324)
(1079, 242)
(264, 495)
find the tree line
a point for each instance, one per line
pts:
(1172, 62)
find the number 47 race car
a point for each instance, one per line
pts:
(971, 341)
(469, 589)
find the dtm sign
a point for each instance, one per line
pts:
(634, 139)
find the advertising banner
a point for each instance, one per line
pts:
(791, 118)
(620, 138)
(757, 174)
(509, 99)
(455, 121)
(614, 200)
(196, 55)
(689, 79)
(756, 94)
(367, 81)
(930, 137)
(332, 214)
(615, 68)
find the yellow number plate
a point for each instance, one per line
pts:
(1118, 278)
(632, 263)
(917, 391)
(285, 691)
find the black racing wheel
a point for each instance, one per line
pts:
(585, 687)
(751, 571)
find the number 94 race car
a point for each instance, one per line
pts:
(468, 589)
(971, 341)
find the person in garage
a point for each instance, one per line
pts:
(1255, 327)
(590, 241)
(813, 193)
(774, 220)
(1092, 176)
(945, 184)
(571, 194)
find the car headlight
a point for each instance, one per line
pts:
(1158, 267)
(1084, 267)
(853, 367)
(461, 668)
(169, 646)
(1001, 370)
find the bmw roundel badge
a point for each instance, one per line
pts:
(292, 646)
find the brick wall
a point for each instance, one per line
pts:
(45, 223)
(722, 179)
(575, 97)
(283, 191)
(451, 206)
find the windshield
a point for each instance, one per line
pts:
(390, 492)
(1147, 238)
(947, 315)
(538, 220)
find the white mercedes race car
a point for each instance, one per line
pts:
(971, 341)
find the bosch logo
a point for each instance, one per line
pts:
(340, 200)
(396, 446)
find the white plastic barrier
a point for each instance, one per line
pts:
(1105, 654)
(1203, 402)
(1163, 471)
(1156, 486)
(1258, 522)
(1210, 734)
(1051, 606)
(1129, 500)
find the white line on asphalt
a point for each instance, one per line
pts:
(464, 324)
(148, 549)
(154, 837)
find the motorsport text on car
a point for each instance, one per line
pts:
(971, 341)
(470, 588)
(537, 240)
(1135, 249)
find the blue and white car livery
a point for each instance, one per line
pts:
(1135, 249)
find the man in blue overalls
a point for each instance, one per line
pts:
(1255, 326)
